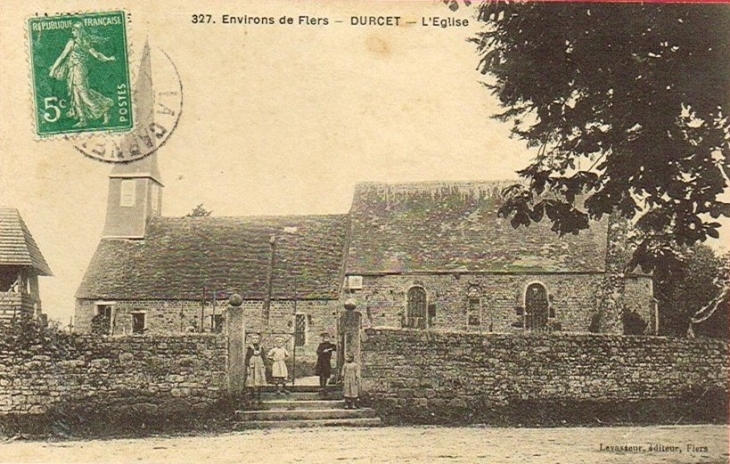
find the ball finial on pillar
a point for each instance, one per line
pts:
(350, 304)
(235, 300)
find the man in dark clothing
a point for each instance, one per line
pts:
(324, 356)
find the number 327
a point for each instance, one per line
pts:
(202, 18)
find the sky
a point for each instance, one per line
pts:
(277, 119)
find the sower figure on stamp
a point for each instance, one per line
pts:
(279, 373)
(324, 367)
(255, 368)
(71, 66)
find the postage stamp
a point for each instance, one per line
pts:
(80, 73)
(158, 101)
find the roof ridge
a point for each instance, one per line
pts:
(254, 217)
(436, 183)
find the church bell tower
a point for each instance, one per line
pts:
(135, 188)
(134, 197)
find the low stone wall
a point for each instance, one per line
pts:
(132, 375)
(427, 376)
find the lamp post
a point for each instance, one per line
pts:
(269, 280)
(291, 272)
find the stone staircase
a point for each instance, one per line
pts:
(304, 407)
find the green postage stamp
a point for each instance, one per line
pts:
(80, 73)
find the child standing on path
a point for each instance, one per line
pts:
(255, 369)
(279, 373)
(351, 382)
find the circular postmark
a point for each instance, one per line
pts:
(157, 100)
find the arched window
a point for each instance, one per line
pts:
(416, 312)
(536, 307)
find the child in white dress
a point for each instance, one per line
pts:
(279, 373)
(351, 382)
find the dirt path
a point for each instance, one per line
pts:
(397, 445)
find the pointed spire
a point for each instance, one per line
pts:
(144, 99)
(134, 188)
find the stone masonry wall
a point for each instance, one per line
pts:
(148, 375)
(175, 317)
(442, 372)
(573, 297)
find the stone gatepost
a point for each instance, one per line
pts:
(236, 334)
(349, 337)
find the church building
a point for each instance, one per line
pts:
(431, 255)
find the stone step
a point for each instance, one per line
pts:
(304, 414)
(301, 423)
(303, 388)
(301, 395)
(289, 404)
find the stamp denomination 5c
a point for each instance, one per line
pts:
(80, 73)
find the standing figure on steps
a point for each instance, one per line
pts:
(279, 373)
(351, 382)
(324, 367)
(255, 368)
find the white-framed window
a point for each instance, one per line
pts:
(127, 192)
(301, 329)
(103, 319)
(354, 282)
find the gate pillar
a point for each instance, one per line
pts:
(236, 335)
(349, 337)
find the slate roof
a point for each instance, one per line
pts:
(451, 226)
(17, 246)
(179, 256)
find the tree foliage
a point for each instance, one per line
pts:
(199, 211)
(627, 104)
(697, 292)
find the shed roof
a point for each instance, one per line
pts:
(17, 246)
(179, 257)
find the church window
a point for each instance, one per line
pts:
(474, 312)
(416, 312)
(300, 329)
(536, 307)
(127, 193)
(139, 323)
(216, 323)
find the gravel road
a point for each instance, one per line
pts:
(676, 444)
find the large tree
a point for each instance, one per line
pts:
(627, 105)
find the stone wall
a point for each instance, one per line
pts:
(467, 375)
(174, 317)
(573, 299)
(161, 316)
(133, 374)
